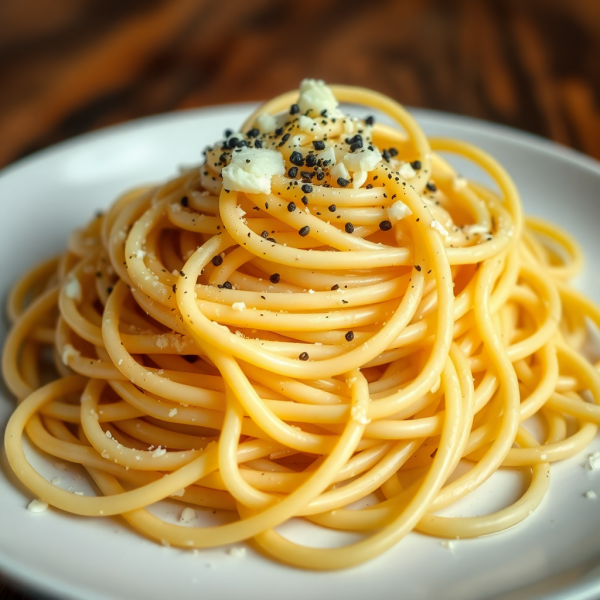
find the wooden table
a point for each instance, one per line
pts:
(69, 66)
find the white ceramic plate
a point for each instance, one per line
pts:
(554, 554)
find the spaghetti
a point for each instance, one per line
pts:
(322, 312)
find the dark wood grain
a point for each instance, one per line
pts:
(70, 66)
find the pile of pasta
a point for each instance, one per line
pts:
(230, 351)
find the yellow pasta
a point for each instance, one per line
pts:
(323, 312)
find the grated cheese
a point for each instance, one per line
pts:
(593, 462)
(316, 96)
(398, 211)
(73, 289)
(251, 169)
(37, 506)
(407, 172)
(159, 452)
(187, 515)
(267, 123)
(340, 170)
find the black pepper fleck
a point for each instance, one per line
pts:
(297, 159)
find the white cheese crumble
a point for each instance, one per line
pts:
(178, 493)
(187, 515)
(359, 178)
(365, 160)
(448, 544)
(591, 495)
(69, 352)
(240, 306)
(316, 95)
(349, 126)
(237, 552)
(140, 254)
(307, 124)
(361, 163)
(251, 169)
(398, 211)
(159, 452)
(162, 341)
(172, 412)
(340, 170)
(406, 171)
(266, 123)
(108, 434)
(593, 462)
(439, 228)
(73, 289)
(37, 506)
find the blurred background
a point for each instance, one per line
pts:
(71, 66)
